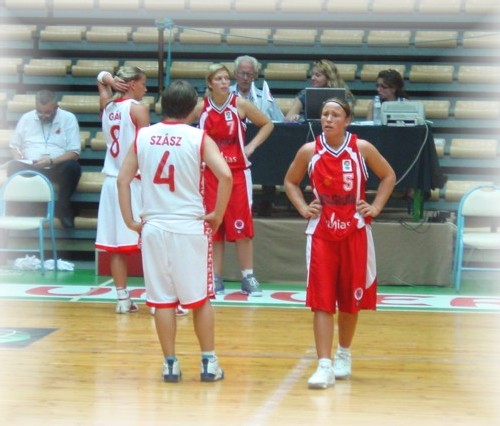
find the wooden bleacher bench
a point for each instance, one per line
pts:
(477, 109)
(88, 104)
(479, 74)
(253, 36)
(72, 4)
(294, 37)
(73, 33)
(151, 34)
(390, 6)
(293, 6)
(17, 32)
(21, 103)
(92, 67)
(47, 67)
(286, 71)
(10, 65)
(149, 67)
(473, 148)
(189, 69)
(391, 38)
(210, 6)
(98, 143)
(347, 71)
(201, 35)
(436, 38)
(369, 72)
(255, 6)
(436, 108)
(431, 73)
(342, 37)
(441, 6)
(481, 39)
(108, 34)
(361, 108)
(352, 6)
(455, 189)
(129, 5)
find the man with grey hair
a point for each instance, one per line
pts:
(47, 139)
(246, 70)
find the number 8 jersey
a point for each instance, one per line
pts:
(119, 133)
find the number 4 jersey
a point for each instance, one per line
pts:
(170, 160)
(119, 133)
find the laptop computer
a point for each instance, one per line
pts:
(315, 96)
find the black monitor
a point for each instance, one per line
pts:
(315, 96)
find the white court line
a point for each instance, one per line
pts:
(265, 411)
(104, 284)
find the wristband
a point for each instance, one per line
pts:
(101, 75)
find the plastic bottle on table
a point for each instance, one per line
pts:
(377, 111)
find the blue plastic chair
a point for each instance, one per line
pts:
(28, 186)
(482, 204)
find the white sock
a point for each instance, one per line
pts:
(342, 350)
(246, 272)
(325, 362)
(122, 293)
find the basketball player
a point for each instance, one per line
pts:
(122, 115)
(223, 116)
(339, 252)
(175, 230)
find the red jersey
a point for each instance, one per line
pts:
(227, 129)
(338, 179)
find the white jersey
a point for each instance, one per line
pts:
(119, 133)
(170, 160)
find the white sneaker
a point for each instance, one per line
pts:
(171, 371)
(179, 311)
(210, 370)
(125, 306)
(342, 365)
(322, 378)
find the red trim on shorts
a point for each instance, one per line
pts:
(120, 249)
(172, 305)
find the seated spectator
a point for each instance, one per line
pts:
(47, 140)
(246, 69)
(324, 74)
(390, 87)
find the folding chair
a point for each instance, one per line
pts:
(23, 187)
(481, 203)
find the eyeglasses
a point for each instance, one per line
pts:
(245, 74)
(382, 86)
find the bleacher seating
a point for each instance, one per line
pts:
(447, 59)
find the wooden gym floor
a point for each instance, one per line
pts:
(75, 362)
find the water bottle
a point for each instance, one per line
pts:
(377, 111)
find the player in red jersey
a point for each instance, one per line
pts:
(223, 116)
(340, 254)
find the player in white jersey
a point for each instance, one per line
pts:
(175, 229)
(339, 252)
(122, 116)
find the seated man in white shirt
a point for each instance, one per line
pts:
(246, 70)
(47, 140)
